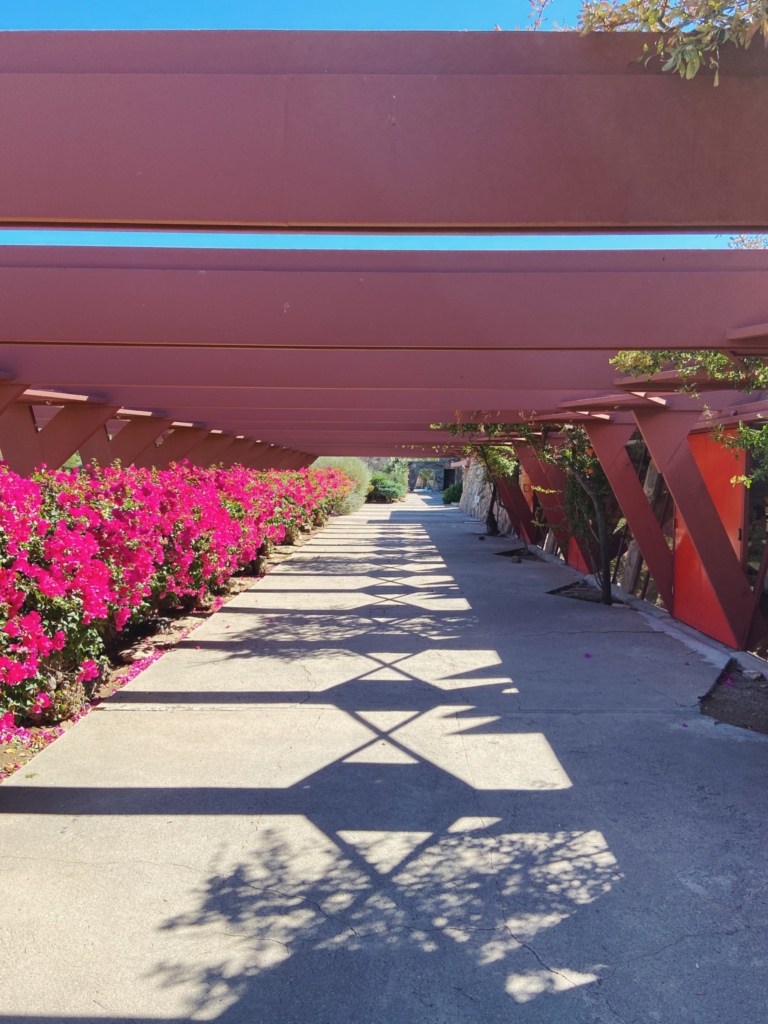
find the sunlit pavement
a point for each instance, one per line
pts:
(397, 781)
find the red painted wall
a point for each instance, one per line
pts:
(695, 601)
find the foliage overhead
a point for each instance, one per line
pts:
(754, 441)
(691, 33)
(748, 373)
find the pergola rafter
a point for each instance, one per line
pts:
(272, 357)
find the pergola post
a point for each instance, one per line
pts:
(19, 439)
(71, 427)
(25, 448)
(176, 446)
(260, 456)
(297, 460)
(237, 453)
(10, 390)
(512, 498)
(666, 434)
(207, 451)
(609, 441)
(549, 483)
(127, 445)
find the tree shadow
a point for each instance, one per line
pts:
(383, 926)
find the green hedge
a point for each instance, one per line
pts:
(452, 492)
(385, 489)
(357, 471)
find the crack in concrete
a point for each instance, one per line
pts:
(304, 899)
(464, 749)
(751, 893)
(660, 949)
(613, 1010)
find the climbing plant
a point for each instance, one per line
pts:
(698, 366)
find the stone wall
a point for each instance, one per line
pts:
(441, 468)
(477, 495)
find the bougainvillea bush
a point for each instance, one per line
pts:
(85, 552)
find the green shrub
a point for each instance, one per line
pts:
(357, 471)
(386, 489)
(452, 493)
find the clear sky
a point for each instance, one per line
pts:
(449, 15)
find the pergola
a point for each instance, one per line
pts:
(271, 358)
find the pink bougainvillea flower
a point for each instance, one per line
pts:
(88, 550)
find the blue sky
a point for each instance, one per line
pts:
(475, 15)
(449, 15)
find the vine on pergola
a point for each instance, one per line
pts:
(698, 366)
(691, 33)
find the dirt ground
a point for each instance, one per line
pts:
(737, 699)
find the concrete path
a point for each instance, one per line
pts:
(395, 783)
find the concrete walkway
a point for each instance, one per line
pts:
(395, 783)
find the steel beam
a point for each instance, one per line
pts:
(128, 445)
(374, 130)
(665, 433)
(518, 510)
(25, 448)
(548, 482)
(238, 452)
(208, 451)
(175, 447)
(92, 369)
(324, 299)
(609, 442)
(10, 390)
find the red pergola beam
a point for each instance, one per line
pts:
(25, 448)
(175, 446)
(132, 440)
(92, 368)
(210, 450)
(265, 404)
(518, 510)
(361, 130)
(402, 299)
(609, 441)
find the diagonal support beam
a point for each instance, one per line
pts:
(517, 508)
(208, 451)
(666, 434)
(609, 442)
(133, 440)
(10, 390)
(261, 456)
(176, 446)
(25, 448)
(549, 484)
(69, 429)
(239, 452)
(19, 439)
(298, 460)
